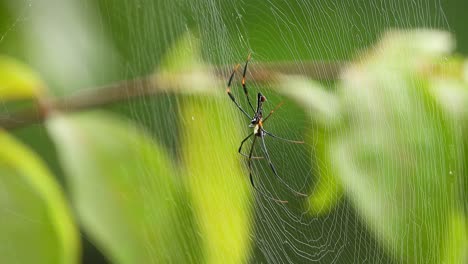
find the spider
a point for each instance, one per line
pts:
(259, 132)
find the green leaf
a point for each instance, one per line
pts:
(457, 239)
(219, 188)
(183, 70)
(450, 92)
(125, 190)
(395, 154)
(184, 55)
(324, 107)
(17, 81)
(328, 190)
(324, 110)
(36, 225)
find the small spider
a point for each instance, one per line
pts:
(257, 122)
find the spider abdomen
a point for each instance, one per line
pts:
(256, 129)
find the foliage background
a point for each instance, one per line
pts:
(84, 44)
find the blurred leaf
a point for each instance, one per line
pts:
(17, 81)
(450, 92)
(324, 108)
(457, 240)
(182, 69)
(221, 191)
(395, 156)
(125, 190)
(184, 55)
(74, 53)
(328, 190)
(220, 195)
(411, 49)
(452, 96)
(392, 146)
(36, 224)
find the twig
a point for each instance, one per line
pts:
(146, 86)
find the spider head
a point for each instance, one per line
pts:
(261, 97)
(254, 121)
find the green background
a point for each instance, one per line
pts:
(93, 43)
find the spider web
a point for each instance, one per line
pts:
(274, 31)
(290, 233)
(303, 30)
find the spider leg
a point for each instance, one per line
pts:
(253, 157)
(280, 138)
(243, 83)
(272, 111)
(265, 151)
(228, 91)
(242, 143)
(251, 176)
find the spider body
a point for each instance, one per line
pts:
(257, 122)
(257, 130)
(257, 119)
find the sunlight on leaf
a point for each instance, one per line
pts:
(36, 225)
(17, 81)
(125, 190)
(412, 50)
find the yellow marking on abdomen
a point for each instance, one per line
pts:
(256, 128)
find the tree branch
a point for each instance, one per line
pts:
(151, 85)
